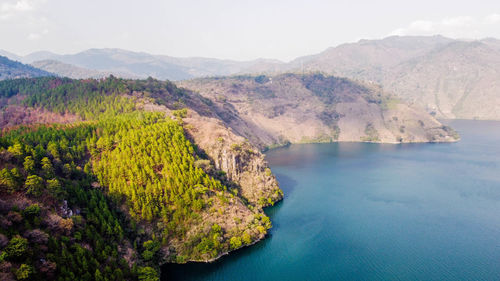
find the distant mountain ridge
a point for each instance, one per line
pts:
(128, 64)
(72, 71)
(449, 78)
(10, 69)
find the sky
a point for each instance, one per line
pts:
(232, 29)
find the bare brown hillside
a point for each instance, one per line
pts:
(448, 78)
(315, 108)
(460, 80)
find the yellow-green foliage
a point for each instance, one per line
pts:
(146, 159)
(140, 159)
(47, 169)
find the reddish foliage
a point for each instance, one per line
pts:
(13, 116)
(37, 236)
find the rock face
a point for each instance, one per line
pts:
(242, 162)
(245, 171)
(291, 108)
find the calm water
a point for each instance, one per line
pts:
(355, 211)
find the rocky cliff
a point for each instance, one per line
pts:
(243, 164)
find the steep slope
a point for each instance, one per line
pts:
(314, 108)
(12, 69)
(189, 189)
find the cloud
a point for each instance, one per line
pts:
(458, 27)
(12, 9)
(17, 6)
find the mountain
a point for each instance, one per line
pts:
(10, 55)
(200, 67)
(128, 64)
(459, 80)
(368, 59)
(114, 177)
(68, 70)
(449, 78)
(38, 56)
(292, 108)
(12, 69)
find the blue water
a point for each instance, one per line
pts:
(359, 211)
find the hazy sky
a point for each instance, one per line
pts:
(233, 29)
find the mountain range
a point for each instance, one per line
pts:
(448, 78)
(131, 173)
(128, 64)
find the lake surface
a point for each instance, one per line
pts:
(360, 211)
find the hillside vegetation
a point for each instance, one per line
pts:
(293, 108)
(114, 195)
(107, 179)
(448, 78)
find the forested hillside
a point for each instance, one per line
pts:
(120, 191)
(107, 179)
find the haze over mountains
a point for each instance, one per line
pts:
(184, 160)
(12, 69)
(449, 78)
(128, 64)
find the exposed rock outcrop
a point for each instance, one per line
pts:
(241, 161)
